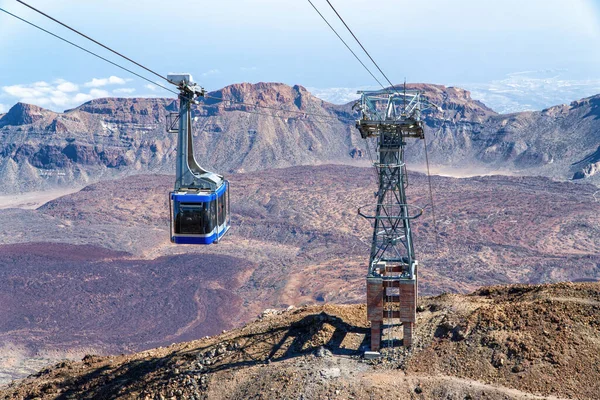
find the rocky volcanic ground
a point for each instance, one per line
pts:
(514, 342)
(94, 271)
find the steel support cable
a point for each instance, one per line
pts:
(151, 71)
(148, 69)
(87, 51)
(152, 82)
(358, 41)
(95, 41)
(435, 229)
(346, 44)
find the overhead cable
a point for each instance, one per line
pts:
(95, 41)
(346, 44)
(358, 41)
(308, 114)
(88, 51)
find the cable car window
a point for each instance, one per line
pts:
(222, 211)
(195, 219)
(213, 213)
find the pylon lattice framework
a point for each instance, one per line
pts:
(391, 116)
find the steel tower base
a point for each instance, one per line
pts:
(391, 300)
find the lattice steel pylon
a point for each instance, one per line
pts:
(391, 116)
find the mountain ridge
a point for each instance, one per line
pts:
(112, 137)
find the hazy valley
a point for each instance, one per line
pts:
(94, 270)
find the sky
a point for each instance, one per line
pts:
(512, 54)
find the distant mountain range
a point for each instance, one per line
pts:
(113, 137)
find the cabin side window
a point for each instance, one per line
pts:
(222, 208)
(195, 218)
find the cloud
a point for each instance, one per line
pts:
(111, 80)
(3, 108)
(211, 72)
(124, 91)
(22, 91)
(58, 96)
(82, 98)
(338, 95)
(532, 90)
(66, 86)
(151, 87)
(99, 93)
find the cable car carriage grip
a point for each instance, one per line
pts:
(199, 205)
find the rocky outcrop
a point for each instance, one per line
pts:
(24, 114)
(589, 166)
(557, 142)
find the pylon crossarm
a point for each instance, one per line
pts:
(391, 217)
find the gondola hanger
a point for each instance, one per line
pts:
(199, 204)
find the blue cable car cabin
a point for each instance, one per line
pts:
(200, 217)
(199, 203)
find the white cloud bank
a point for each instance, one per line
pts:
(67, 87)
(100, 82)
(61, 94)
(519, 91)
(339, 95)
(532, 90)
(124, 91)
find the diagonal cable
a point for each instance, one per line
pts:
(358, 41)
(346, 44)
(95, 41)
(88, 51)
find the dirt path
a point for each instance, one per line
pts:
(577, 300)
(199, 318)
(472, 384)
(32, 200)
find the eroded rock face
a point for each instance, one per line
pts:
(589, 170)
(24, 114)
(589, 166)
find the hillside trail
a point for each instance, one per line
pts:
(33, 200)
(478, 385)
(577, 300)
